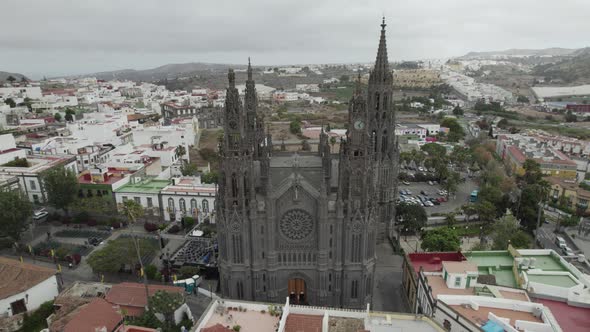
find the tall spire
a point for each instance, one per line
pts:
(231, 76)
(249, 70)
(382, 63)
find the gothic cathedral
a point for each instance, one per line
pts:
(304, 225)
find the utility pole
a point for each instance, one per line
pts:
(538, 224)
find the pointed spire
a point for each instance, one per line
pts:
(231, 76)
(382, 63)
(249, 70)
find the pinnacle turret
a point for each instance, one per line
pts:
(381, 71)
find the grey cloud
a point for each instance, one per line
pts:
(66, 36)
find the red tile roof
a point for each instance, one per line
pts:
(17, 277)
(570, 318)
(303, 323)
(96, 314)
(130, 294)
(432, 261)
(518, 155)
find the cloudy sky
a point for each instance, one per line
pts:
(59, 37)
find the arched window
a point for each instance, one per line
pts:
(234, 185)
(182, 205)
(385, 101)
(193, 205)
(205, 206)
(171, 204)
(377, 101)
(384, 142)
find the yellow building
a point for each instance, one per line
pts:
(576, 197)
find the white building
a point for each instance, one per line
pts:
(25, 286)
(187, 196)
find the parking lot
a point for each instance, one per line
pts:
(455, 201)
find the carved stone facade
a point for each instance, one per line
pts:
(306, 225)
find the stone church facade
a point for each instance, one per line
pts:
(304, 225)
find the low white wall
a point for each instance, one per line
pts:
(490, 302)
(179, 313)
(505, 323)
(533, 326)
(44, 291)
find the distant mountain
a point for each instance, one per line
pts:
(572, 69)
(554, 51)
(4, 75)
(169, 71)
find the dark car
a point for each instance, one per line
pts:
(435, 201)
(423, 192)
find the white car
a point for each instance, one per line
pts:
(40, 214)
(568, 251)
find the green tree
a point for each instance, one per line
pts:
(189, 169)
(411, 216)
(456, 132)
(211, 177)
(15, 211)
(11, 79)
(451, 183)
(295, 127)
(10, 102)
(180, 151)
(532, 172)
(344, 78)
(486, 211)
(469, 210)
(507, 231)
(151, 271)
(57, 117)
(434, 150)
(457, 111)
(522, 99)
(61, 186)
(441, 239)
(117, 253)
(166, 303)
(70, 115)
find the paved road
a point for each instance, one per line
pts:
(388, 292)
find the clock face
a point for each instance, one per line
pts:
(233, 125)
(358, 125)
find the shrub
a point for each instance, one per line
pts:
(189, 222)
(150, 227)
(115, 223)
(236, 328)
(151, 271)
(174, 229)
(81, 217)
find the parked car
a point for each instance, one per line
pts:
(431, 183)
(435, 201)
(442, 199)
(421, 169)
(406, 183)
(40, 214)
(568, 251)
(408, 192)
(428, 203)
(423, 192)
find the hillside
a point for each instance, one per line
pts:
(170, 71)
(4, 75)
(513, 52)
(573, 69)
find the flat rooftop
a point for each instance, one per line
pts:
(147, 186)
(569, 318)
(480, 316)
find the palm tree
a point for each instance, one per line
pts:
(133, 210)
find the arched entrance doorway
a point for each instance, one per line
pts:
(297, 291)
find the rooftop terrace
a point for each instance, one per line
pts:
(147, 186)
